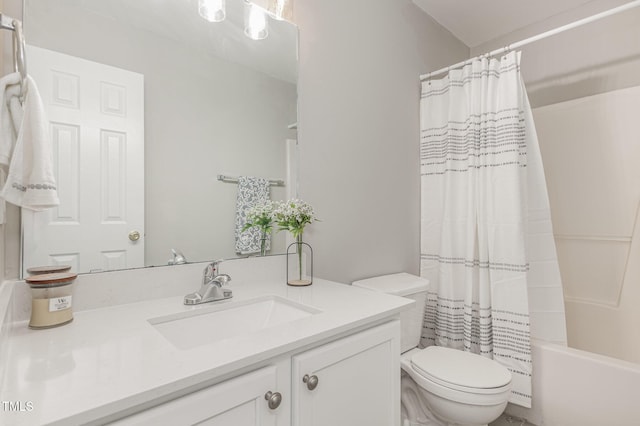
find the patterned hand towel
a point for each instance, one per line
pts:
(251, 191)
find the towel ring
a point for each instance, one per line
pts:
(19, 57)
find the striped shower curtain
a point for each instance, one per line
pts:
(473, 152)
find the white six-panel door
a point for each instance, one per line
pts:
(96, 120)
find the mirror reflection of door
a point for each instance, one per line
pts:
(96, 120)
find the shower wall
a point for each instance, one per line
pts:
(591, 153)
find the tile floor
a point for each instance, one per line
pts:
(507, 420)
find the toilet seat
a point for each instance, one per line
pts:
(460, 370)
(459, 376)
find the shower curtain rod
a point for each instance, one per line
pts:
(546, 34)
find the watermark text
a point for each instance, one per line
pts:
(16, 406)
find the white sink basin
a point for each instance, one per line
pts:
(202, 326)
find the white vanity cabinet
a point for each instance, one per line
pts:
(347, 382)
(352, 381)
(239, 402)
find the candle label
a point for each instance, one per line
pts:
(59, 303)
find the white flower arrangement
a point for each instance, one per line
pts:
(261, 216)
(293, 215)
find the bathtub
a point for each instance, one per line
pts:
(574, 387)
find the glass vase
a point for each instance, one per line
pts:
(263, 243)
(299, 263)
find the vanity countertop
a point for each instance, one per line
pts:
(111, 359)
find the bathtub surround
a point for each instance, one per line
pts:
(476, 141)
(595, 211)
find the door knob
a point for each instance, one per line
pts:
(311, 381)
(274, 399)
(134, 235)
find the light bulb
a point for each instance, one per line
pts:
(212, 10)
(256, 23)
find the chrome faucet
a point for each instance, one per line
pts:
(178, 258)
(212, 286)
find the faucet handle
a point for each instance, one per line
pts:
(178, 258)
(216, 263)
(223, 279)
(211, 270)
(208, 273)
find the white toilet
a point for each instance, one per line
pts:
(441, 386)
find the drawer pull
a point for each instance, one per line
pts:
(311, 381)
(274, 399)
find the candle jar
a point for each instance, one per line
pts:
(51, 303)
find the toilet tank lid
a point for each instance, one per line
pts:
(401, 284)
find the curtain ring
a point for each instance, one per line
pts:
(506, 50)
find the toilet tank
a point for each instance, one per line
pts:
(404, 285)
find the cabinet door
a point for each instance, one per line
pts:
(358, 381)
(238, 402)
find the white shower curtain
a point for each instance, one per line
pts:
(473, 150)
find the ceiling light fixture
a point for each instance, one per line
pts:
(256, 22)
(278, 8)
(212, 10)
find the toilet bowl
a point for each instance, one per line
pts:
(441, 386)
(456, 387)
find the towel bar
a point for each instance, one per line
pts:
(19, 56)
(231, 179)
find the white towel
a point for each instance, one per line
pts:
(251, 191)
(30, 181)
(9, 88)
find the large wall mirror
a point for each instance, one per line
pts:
(149, 103)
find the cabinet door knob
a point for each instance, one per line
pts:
(311, 381)
(274, 399)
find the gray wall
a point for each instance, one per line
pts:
(360, 62)
(359, 131)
